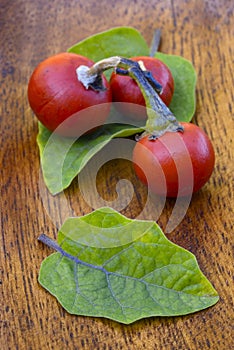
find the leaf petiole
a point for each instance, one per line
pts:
(155, 42)
(49, 242)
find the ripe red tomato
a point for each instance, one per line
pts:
(56, 95)
(125, 89)
(175, 164)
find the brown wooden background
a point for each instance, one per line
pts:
(30, 31)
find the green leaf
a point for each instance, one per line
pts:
(110, 266)
(120, 41)
(63, 158)
(183, 103)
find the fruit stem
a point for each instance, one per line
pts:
(160, 118)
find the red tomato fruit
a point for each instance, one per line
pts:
(175, 164)
(56, 95)
(125, 89)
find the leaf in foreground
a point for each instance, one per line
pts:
(110, 266)
(183, 103)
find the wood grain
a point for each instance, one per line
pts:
(30, 31)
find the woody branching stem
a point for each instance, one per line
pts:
(160, 118)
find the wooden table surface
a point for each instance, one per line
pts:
(30, 31)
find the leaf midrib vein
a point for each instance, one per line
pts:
(107, 273)
(59, 249)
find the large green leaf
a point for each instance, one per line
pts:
(183, 103)
(110, 266)
(63, 158)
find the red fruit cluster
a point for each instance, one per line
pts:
(176, 164)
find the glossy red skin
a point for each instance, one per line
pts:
(158, 165)
(125, 89)
(55, 94)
